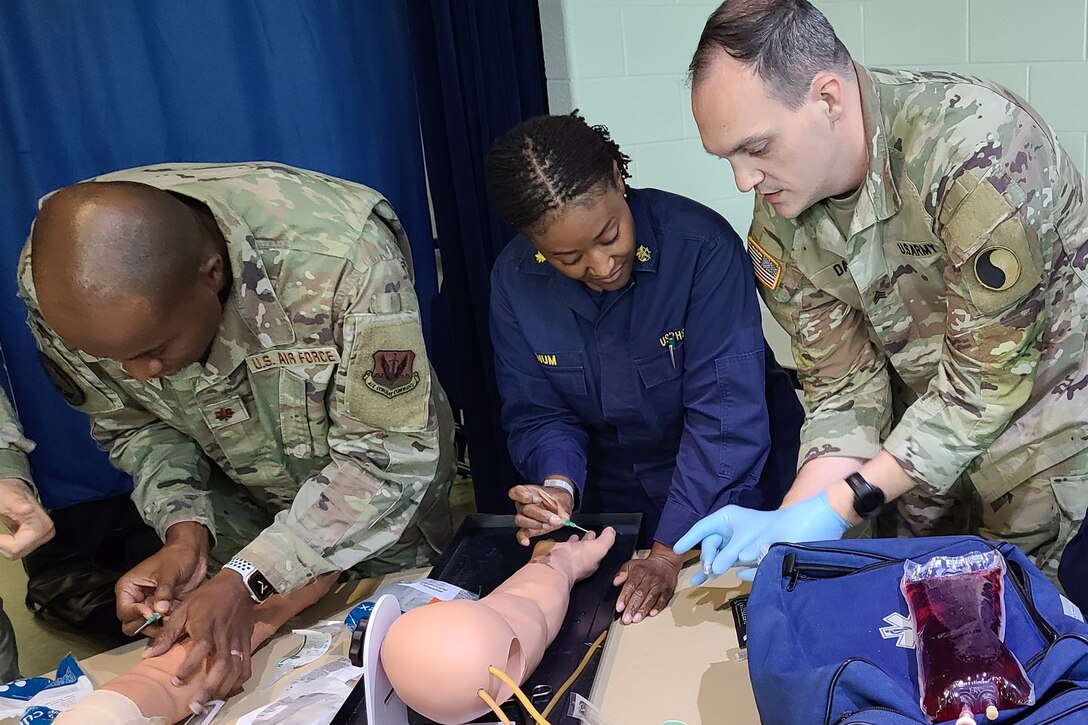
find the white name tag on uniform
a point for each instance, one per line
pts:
(300, 357)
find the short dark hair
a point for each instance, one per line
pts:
(785, 42)
(548, 162)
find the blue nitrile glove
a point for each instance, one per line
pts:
(733, 535)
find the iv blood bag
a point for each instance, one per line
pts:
(958, 608)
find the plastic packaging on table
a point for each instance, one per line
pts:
(964, 668)
(409, 595)
(39, 700)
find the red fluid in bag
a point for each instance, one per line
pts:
(963, 663)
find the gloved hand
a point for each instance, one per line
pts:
(733, 535)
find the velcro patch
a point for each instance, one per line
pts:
(386, 378)
(767, 268)
(68, 387)
(298, 357)
(225, 412)
(393, 373)
(1003, 272)
(997, 268)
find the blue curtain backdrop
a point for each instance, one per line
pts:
(479, 71)
(89, 87)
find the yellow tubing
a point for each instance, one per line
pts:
(494, 706)
(578, 671)
(520, 695)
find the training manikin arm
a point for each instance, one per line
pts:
(534, 599)
(439, 657)
(147, 691)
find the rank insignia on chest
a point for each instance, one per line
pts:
(642, 254)
(226, 412)
(767, 269)
(392, 374)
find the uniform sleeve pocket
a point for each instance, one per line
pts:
(738, 418)
(386, 382)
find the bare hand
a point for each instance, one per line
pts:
(218, 619)
(161, 581)
(28, 522)
(540, 510)
(648, 584)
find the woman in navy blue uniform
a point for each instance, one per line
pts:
(629, 352)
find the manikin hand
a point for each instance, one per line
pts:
(733, 535)
(577, 556)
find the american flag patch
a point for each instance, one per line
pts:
(767, 269)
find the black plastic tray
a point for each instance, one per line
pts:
(483, 554)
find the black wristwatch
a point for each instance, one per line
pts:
(868, 499)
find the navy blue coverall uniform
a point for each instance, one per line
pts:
(591, 392)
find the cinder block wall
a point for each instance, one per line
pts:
(623, 63)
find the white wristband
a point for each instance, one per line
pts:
(560, 483)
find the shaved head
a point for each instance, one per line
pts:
(114, 263)
(98, 239)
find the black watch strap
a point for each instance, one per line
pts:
(868, 499)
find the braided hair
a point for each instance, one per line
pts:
(548, 162)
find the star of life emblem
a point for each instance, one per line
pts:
(899, 628)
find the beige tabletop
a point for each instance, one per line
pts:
(679, 665)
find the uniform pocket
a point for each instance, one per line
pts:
(565, 372)
(1071, 494)
(303, 413)
(294, 421)
(659, 367)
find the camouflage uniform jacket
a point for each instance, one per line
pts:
(964, 269)
(14, 446)
(316, 395)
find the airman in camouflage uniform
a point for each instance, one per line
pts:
(316, 398)
(14, 446)
(923, 239)
(18, 508)
(13, 449)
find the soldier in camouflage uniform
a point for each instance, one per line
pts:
(923, 238)
(261, 320)
(21, 513)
